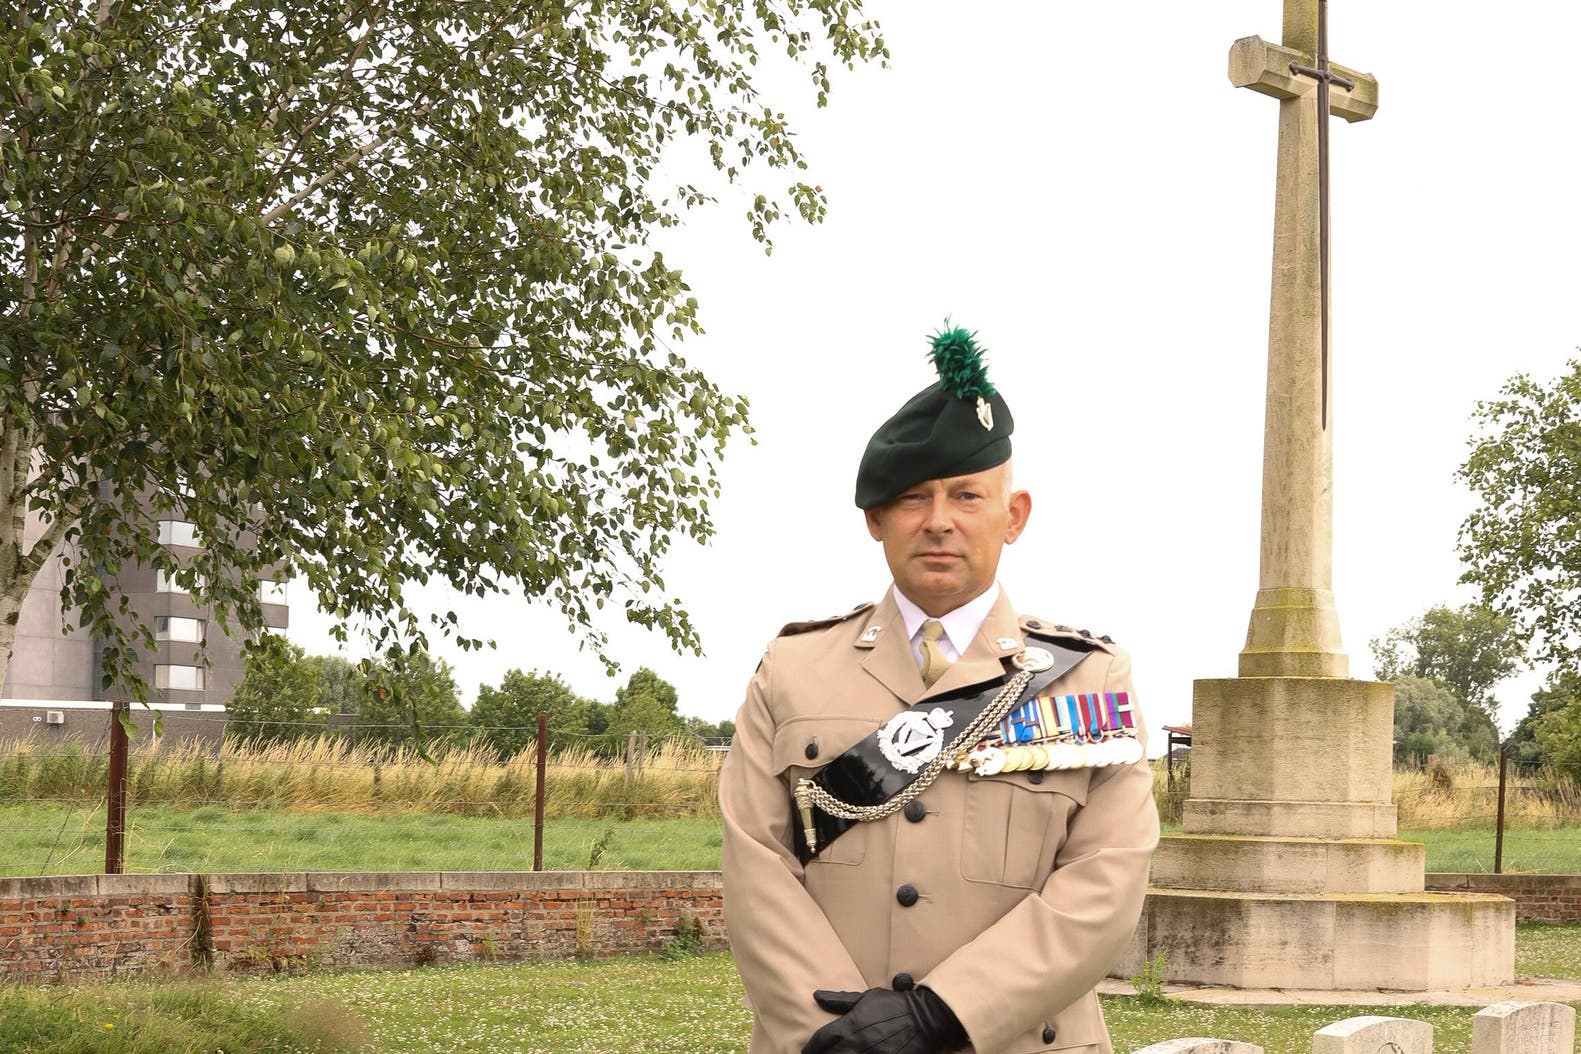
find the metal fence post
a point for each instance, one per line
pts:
(537, 805)
(1498, 837)
(115, 821)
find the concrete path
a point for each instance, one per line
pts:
(1529, 988)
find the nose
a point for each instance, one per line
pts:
(938, 519)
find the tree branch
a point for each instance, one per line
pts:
(48, 542)
(343, 20)
(416, 114)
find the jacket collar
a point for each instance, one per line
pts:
(889, 659)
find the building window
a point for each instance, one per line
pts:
(163, 583)
(271, 592)
(181, 678)
(172, 627)
(178, 532)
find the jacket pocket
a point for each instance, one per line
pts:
(1015, 824)
(802, 746)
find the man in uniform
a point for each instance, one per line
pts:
(937, 818)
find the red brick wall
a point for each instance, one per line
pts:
(58, 929)
(1538, 898)
(104, 925)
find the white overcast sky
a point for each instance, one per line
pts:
(1080, 184)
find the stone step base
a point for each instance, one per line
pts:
(1290, 819)
(1408, 942)
(1288, 865)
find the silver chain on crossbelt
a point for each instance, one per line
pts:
(808, 793)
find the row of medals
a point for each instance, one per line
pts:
(990, 758)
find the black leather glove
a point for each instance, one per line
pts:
(882, 1021)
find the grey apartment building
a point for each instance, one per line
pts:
(52, 686)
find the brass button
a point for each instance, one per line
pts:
(916, 811)
(812, 749)
(1048, 1033)
(1034, 777)
(907, 895)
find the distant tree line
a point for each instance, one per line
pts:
(411, 699)
(1445, 666)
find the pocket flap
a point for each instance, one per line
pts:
(1072, 783)
(829, 736)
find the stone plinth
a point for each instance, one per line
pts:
(1410, 942)
(1297, 740)
(1288, 874)
(1289, 865)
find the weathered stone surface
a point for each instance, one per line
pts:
(1201, 1046)
(1409, 942)
(1289, 865)
(1524, 1028)
(370, 881)
(1294, 819)
(1313, 739)
(258, 882)
(1374, 1035)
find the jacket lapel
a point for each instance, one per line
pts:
(889, 659)
(984, 658)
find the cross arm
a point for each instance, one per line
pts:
(1265, 67)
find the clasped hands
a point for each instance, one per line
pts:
(883, 1021)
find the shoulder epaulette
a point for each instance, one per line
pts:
(793, 628)
(1041, 627)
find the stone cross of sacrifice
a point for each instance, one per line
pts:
(1294, 628)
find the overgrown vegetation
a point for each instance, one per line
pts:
(1149, 982)
(172, 1017)
(675, 777)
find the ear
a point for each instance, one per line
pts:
(1020, 512)
(873, 524)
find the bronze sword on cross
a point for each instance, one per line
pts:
(1324, 77)
(1285, 72)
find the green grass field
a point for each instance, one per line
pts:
(55, 839)
(52, 839)
(689, 1006)
(1557, 851)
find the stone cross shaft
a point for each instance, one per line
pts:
(1294, 629)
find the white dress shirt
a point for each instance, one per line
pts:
(960, 625)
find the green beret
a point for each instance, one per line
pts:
(954, 427)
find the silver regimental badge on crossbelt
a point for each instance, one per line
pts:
(911, 739)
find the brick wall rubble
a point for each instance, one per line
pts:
(106, 925)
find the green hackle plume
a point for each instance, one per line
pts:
(962, 371)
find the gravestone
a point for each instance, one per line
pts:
(1524, 1028)
(1374, 1035)
(1287, 873)
(1201, 1046)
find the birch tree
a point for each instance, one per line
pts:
(368, 292)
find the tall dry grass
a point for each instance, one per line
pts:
(1441, 798)
(1467, 795)
(675, 778)
(329, 774)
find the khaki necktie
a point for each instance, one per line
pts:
(933, 661)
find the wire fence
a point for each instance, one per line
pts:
(198, 800)
(197, 797)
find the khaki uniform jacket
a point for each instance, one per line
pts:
(1029, 883)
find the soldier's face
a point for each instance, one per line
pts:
(942, 538)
